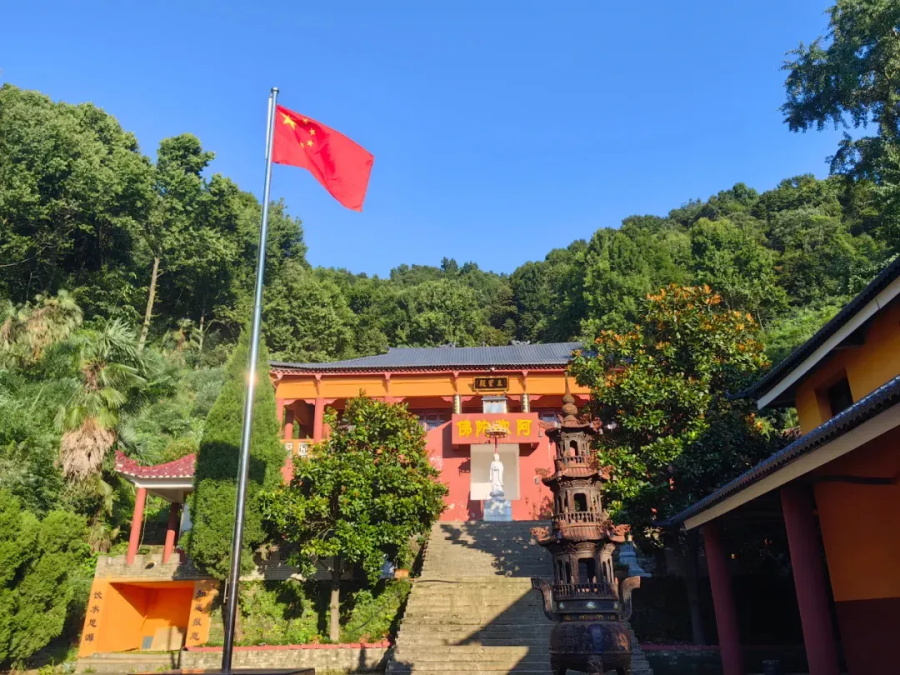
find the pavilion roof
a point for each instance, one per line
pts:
(416, 358)
(180, 468)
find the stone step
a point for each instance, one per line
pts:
(514, 636)
(408, 669)
(528, 614)
(468, 652)
(488, 609)
(450, 641)
(510, 666)
(485, 592)
(481, 598)
(465, 604)
(491, 629)
(478, 614)
(126, 662)
(431, 575)
(473, 609)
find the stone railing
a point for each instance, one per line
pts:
(151, 566)
(146, 566)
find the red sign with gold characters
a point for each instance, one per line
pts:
(469, 428)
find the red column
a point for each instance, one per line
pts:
(797, 505)
(171, 531)
(723, 602)
(319, 420)
(136, 520)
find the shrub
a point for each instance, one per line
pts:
(41, 563)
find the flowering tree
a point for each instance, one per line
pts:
(672, 433)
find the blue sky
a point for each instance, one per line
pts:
(501, 129)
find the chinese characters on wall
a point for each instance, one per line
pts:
(468, 429)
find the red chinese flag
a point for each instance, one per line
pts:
(339, 164)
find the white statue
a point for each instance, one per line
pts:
(496, 477)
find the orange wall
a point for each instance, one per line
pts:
(867, 367)
(121, 613)
(418, 385)
(860, 522)
(201, 608)
(167, 607)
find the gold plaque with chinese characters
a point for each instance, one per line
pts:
(491, 384)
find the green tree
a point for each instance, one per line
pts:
(616, 275)
(108, 368)
(733, 260)
(819, 255)
(671, 432)
(434, 313)
(74, 189)
(851, 76)
(215, 483)
(534, 301)
(662, 390)
(40, 565)
(27, 331)
(168, 233)
(29, 442)
(307, 317)
(363, 494)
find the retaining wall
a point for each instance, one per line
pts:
(356, 658)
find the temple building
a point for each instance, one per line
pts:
(834, 492)
(457, 393)
(471, 402)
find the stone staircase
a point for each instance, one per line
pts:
(472, 610)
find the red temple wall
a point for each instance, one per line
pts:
(454, 463)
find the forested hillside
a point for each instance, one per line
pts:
(168, 248)
(124, 283)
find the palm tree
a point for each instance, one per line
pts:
(26, 332)
(108, 365)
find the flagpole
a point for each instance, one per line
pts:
(231, 589)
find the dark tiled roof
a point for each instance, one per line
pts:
(863, 410)
(180, 468)
(400, 358)
(803, 352)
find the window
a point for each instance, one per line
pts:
(548, 416)
(431, 420)
(587, 571)
(493, 404)
(839, 397)
(580, 502)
